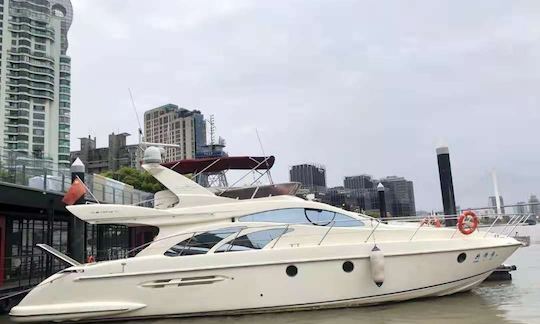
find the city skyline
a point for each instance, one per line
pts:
(359, 94)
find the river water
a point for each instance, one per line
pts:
(516, 301)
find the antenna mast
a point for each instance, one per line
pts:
(136, 115)
(140, 151)
(264, 154)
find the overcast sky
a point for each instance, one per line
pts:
(358, 86)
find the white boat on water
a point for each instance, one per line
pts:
(215, 255)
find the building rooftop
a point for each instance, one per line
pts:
(360, 175)
(181, 112)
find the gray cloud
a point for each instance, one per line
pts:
(359, 86)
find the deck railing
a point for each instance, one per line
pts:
(505, 229)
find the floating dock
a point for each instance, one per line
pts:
(502, 273)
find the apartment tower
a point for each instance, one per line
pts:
(35, 79)
(311, 176)
(170, 124)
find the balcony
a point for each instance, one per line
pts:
(18, 12)
(35, 78)
(36, 54)
(26, 67)
(32, 85)
(43, 94)
(25, 55)
(11, 131)
(28, 24)
(28, 35)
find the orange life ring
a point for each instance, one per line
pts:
(90, 259)
(467, 222)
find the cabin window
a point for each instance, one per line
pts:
(287, 216)
(346, 221)
(252, 241)
(319, 217)
(201, 243)
(303, 216)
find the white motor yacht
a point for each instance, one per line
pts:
(215, 255)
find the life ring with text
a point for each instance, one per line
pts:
(467, 222)
(90, 259)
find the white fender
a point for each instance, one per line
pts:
(377, 266)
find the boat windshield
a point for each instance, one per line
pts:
(303, 216)
(201, 243)
(253, 241)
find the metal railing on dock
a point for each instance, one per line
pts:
(43, 174)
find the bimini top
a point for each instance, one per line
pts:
(217, 164)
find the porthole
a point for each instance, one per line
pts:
(461, 257)
(348, 266)
(291, 271)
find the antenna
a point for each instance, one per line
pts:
(136, 115)
(264, 154)
(140, 151)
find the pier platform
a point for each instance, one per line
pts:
(502, 273)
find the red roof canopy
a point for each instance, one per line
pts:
(216, 164)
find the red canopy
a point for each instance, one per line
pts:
(217, 164)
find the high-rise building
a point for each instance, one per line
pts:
(363, 188)
(311, 176)
(492, 202)
(521, 207)
(363, 181)
(401, 192)
(35, 79)
(169, 124)
(117, 155)
(534, 205)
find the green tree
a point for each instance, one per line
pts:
(138, 179)
(4, 174)
(372, 213)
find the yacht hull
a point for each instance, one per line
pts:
(257, 283)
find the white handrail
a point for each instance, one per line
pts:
(328, 231)
(280, 235)
(514, 221)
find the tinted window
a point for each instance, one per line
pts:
(303, 216)
(287, 216)
(200, 243)
(319, 217)
(346, 221)
(252, 241)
